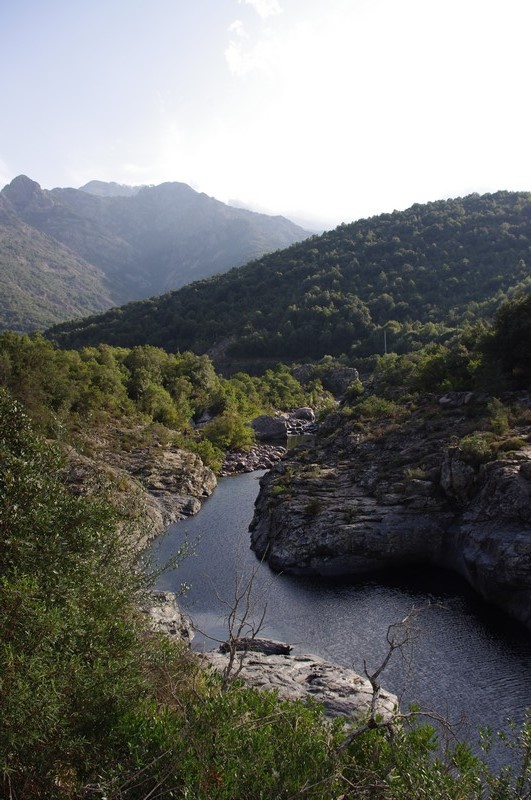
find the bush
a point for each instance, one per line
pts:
(476, 449)
(229, 432)
(373, 408)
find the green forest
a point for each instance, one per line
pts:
(416, 274)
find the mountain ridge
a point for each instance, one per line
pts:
(417, 273)
(127, 247)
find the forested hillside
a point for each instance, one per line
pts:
(415, 273)
(68, 252)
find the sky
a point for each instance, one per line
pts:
(326, 111)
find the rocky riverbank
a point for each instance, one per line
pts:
(295, 676)
(153, 485)
(299, 676)
(412, 489)
(262, 456)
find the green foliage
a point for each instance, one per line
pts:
(476, 448)
(92, 705)
(354, 390)
(229, 432)
(68, 635)
(374, 407)
(512, 444)
(208, 452)
(498, 416)
(416, 273)
(67, 391)
(510, 341)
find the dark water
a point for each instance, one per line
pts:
(465, 661)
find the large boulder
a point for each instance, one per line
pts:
(268, 428)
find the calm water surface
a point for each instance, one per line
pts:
(466, 661)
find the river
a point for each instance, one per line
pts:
(465, 660)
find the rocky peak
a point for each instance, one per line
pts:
(26, 195)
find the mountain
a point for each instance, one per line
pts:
(41, 280)
(416, 272)
(69, 252)
(110, 189)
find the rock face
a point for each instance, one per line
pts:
(277, 428)
(176, 479)
(166, 617)
(297, 677)
(162, 484)
(268, 428)
(401, 494)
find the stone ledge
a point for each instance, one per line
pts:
(298, 677)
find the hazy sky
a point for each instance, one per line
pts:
(326, 109)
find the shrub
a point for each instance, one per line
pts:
(498, 417)
(313, 507)
(476, 449)
(229, 432)
(373, 408)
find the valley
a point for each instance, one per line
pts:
(407, 336)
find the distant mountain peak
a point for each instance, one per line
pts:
(25, 194)
(110, 189)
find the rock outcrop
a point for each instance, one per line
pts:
(300, 676)
(161, 484)
(397, 494)
(265, 664)
(165, 616)
(269, 428)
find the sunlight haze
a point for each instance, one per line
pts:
(325, 112)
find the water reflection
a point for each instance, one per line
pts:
(465, 657)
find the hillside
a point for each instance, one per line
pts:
(42, 281)
(417, 272)
(107, 244)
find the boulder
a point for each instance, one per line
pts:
(307, 414)
(268, 428)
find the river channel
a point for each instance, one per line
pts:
(465, 661)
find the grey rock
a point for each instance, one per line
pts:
(350, 507)
(298, 677)
(307, 414)
(268, 428)
(262, 456)
(457, 478)
(165, 616)
(456, 399)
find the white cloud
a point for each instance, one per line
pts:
(264, 8)
(238, 28)
(243, 56)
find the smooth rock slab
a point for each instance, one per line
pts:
(297, 677)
